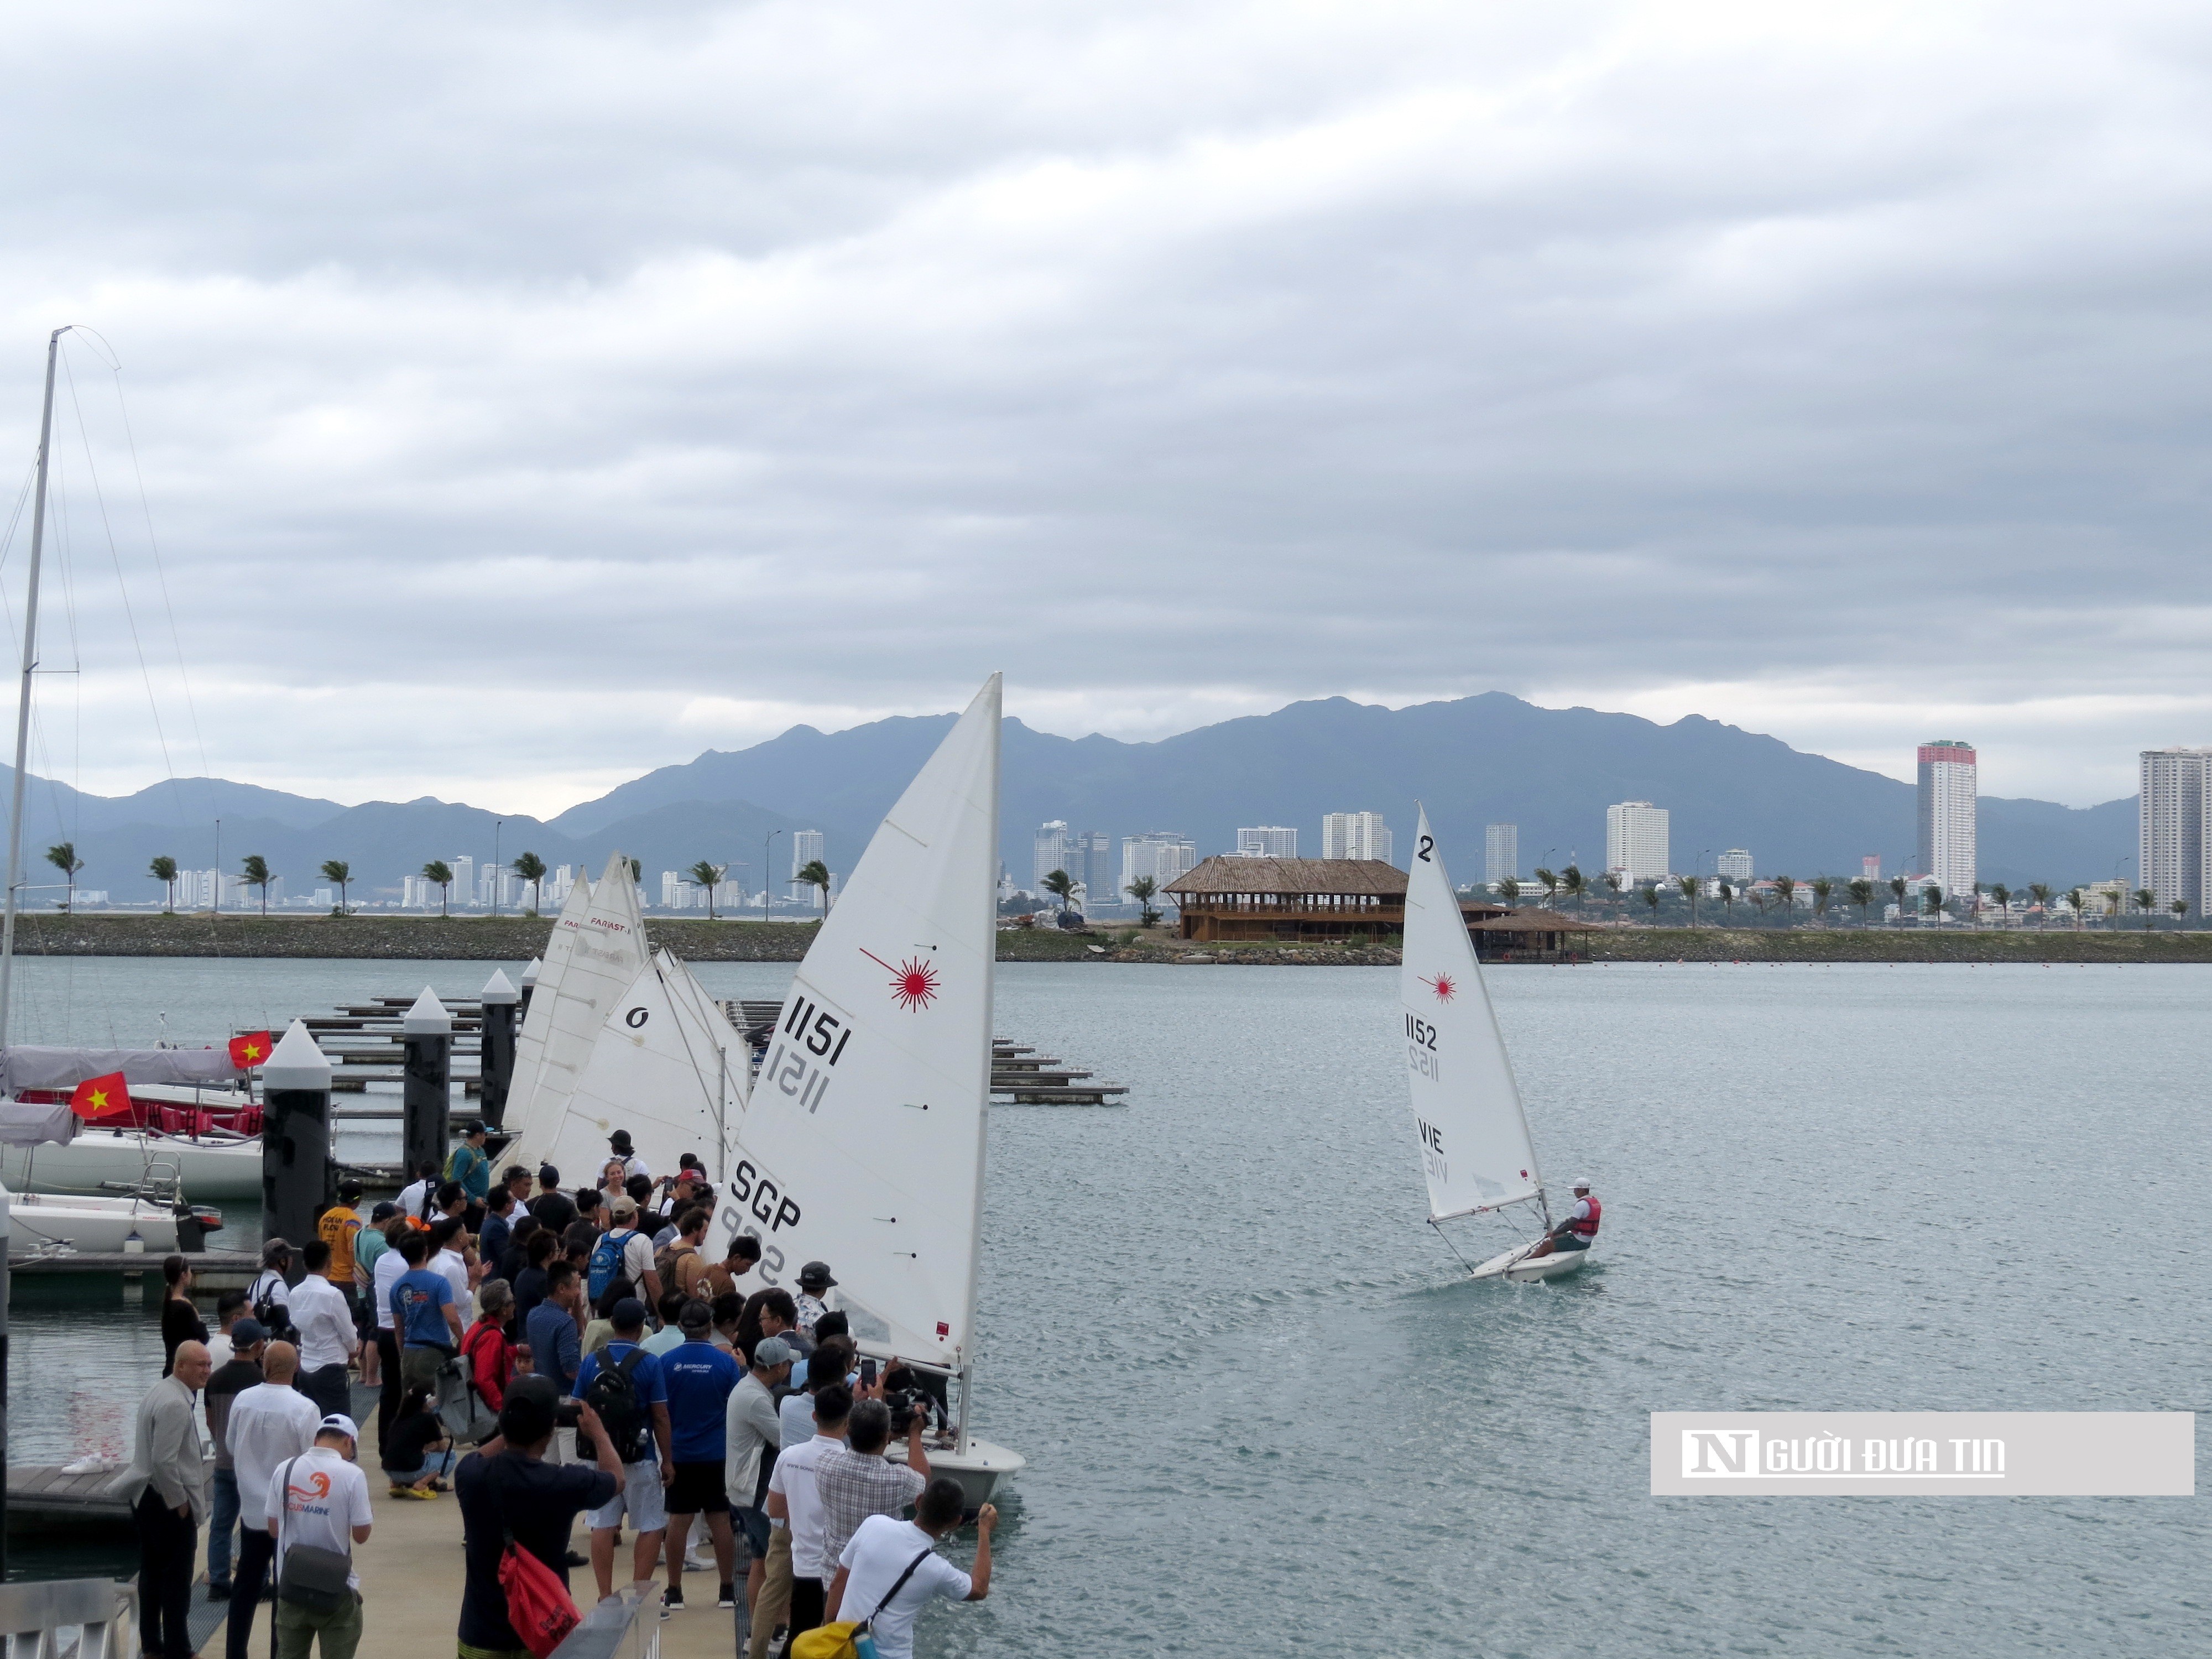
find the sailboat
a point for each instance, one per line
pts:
(862, 1144)
(1473, 1133)
(667, 1065)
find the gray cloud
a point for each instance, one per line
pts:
(527, 396)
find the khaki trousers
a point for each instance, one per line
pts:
(773, 1606)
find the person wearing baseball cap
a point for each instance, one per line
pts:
(813, 1279)
(643, 1442)
(470, 1165)
(1578, 1231)
(319, 1500)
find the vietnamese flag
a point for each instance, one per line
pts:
(249, 1050)
(97, 1098)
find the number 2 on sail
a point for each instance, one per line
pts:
(1421, 1048)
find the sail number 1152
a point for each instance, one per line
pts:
(1421, 1046)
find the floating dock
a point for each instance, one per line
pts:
(1018, 1074)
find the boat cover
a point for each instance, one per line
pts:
(26, 1066)
(24, 1123)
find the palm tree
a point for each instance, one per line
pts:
(1573, 885)
(1061, 886)
(1823, 891)
(1651, 891)
(1687, 885)
(255, 871)
(1508, 890)
(708, 876)
(64, 857)
(1862, 892)
(164, 869)
(637, 873)
(2147, 901)
(1142, 890)
(1786, 889)
(1551, 885)
(815, 874)
(531, 868)
(338, 871)
(2078, 901)
(2041, 892)
(2180, 908)
(1931, 900)
(1728, 904)
(1612, 880)
(1897, 887)
(439, 872)
(2000, 894)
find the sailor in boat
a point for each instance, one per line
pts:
(1579, 1231)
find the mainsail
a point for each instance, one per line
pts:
(667, 1065)
(1466, 1109)
(606, 952)
(537, 1017)
(862, 1145)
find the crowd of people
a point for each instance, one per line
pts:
(542, 1353)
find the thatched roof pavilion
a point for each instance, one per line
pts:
(1228, 897)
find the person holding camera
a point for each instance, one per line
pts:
(507, 1489)
(892, 1566)
(856, 1481)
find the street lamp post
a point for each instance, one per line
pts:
(767, 843)
(495, 824)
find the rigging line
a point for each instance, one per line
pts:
(1453, 1248)
(162, 579)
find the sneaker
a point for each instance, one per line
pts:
(218, 1589)
(729, 1596)
(666, 1609)
(419, 1494)
(671, 1600)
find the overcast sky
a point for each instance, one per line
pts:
(528, 395)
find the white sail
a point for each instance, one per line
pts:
(606, 952)
(538, 1019)
(862, 1145)
(667, 1065)
(1466, 1109)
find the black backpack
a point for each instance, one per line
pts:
(275, 1317)
(613, 1394)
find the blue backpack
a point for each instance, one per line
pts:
(606, 1261)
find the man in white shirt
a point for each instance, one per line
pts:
(269, 1424)
(795, 1501)
(320, 1498)
(324, 1319)
(890, 1570)
(389, 1266)
(271, 1288)
(414, 1199)
(751, 1436)
(447, 1240)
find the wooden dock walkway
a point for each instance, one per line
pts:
(46, 1496)
(1019, 1074)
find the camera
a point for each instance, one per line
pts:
(906, 1404)
(567, 1414)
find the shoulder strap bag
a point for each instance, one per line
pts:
(850, 1641)
(308, 1575)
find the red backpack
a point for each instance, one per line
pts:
(537, 1604)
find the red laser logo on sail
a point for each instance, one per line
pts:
(914, 981)
(1443, 985)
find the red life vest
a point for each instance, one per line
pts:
(1586, 1226)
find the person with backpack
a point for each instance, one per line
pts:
(487, 1347)
(625, 1387)
(269, 1295)
(623, 1252)
(414, 1199)
(318, 1511)
(516, 1510)
(892, 1567)
(681, 1263)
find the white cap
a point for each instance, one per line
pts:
(1581, 1184)
(338, 1422)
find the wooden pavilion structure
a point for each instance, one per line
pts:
(1336, 900)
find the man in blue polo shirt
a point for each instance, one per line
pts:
(633, 1404)
(423, 1313)
(699, 1378)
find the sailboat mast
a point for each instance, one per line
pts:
(23, 703)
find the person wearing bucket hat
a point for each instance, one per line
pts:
(813, 1279)
(620, 1146)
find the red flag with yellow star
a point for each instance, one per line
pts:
(97, 1098)
(249, 1049)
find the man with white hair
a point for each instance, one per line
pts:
(269, 1424)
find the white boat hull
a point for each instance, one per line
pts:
(1518, 1266)
(39, 1222)
(984, 1470)
(206, 1169)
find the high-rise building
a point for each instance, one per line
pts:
(807, 847)
(1870, 867)
(2170, 846)
(1097, 862)
(464, 881)
(1501, 852)
(1049, 852)
(1267, 841)
(1635, 841)
(1947, 797)
(1734, 865)
(1355, 836)
(1161, 853)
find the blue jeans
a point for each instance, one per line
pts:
(223, 1522)
(440, 1464)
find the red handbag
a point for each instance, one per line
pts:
(537, 1604)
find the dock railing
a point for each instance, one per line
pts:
(69, 1618)
(626, 1625)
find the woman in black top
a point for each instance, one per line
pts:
(416, 1450)
(180, 1321)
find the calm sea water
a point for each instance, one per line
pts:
(1264, 1414)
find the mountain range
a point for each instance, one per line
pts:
(1473, 761)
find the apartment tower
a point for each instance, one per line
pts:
(1501, 852)
(1635, 841)
(1947, 795)
(2170, 848)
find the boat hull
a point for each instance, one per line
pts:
(41, 1221)
(1516, 1267)
(984, 1470)
(205, 1169)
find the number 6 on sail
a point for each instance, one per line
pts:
(1473, 1135)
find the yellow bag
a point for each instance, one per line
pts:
(825, 1642)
